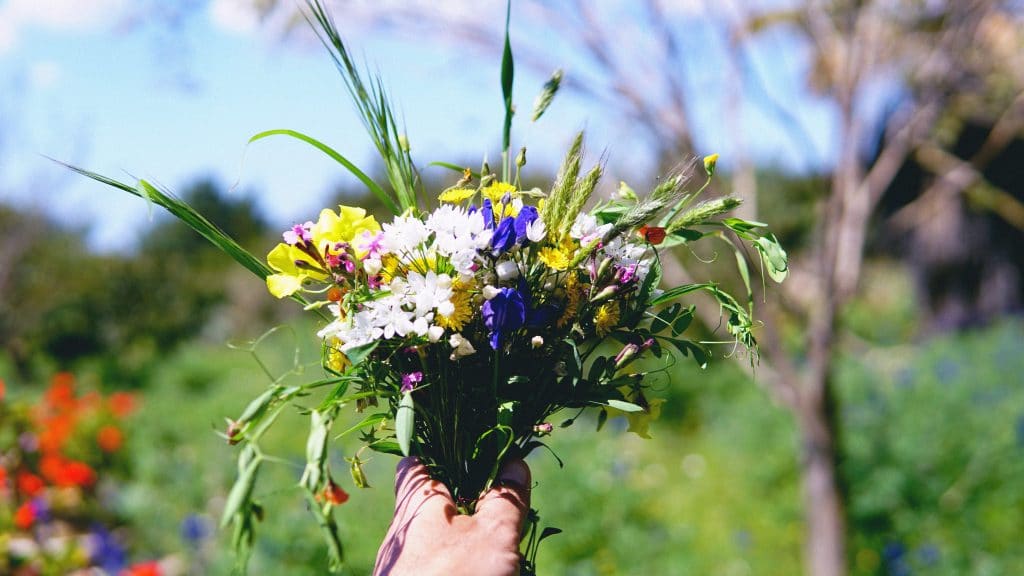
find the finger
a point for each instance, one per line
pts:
(415, 489)
(508, 502)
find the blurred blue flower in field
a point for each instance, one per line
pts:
(894, 559)
(107, 552)
(929, 554)
(194, 529)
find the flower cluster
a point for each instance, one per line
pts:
(57, 452)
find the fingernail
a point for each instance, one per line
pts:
(516, 473)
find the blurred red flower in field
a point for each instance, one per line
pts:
(55, 432)
(121, 403)
(29, 484)
(110, 438)
(25, 516)
(3, 390)
(66, 473)
(62, 391)
(144, 569)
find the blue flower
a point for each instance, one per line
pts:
(194, 529)
(526, 216)
(504, 236)
(488, 213)
(540, 316)
(107, 552)
(504, 313)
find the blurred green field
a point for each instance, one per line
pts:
(933, 461)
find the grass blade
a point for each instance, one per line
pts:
(373, 186)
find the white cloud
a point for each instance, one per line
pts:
(237, 16)
(16, 16)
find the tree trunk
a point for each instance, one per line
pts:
(825, 543)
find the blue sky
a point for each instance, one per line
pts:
(140, 100)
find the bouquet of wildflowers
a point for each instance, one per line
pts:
(458, 329)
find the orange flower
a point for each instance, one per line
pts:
(3, 479)
(3, 390)
(25, 516)
(121, 403)
(29, 484)
(110, 438)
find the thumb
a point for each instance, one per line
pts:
(509, 500)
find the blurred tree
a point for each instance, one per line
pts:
(125, 310)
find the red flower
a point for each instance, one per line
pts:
(653, 234)
(144, 569)
(333, 494)
(66, 473)
(29, 484)
(25, 516)
(3, 390)
(62, 391)
(121, 403)
(55, 432)
(3, 479)
(110, 438)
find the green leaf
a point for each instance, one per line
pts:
(386, 447)
(357, 354)
(370, 420)
(688, 348)
(241, 491)
(741, 226)
(454, 168)
(682, 321)
(681, 236)
(405, 420)
(678, 291)
(774, 256)
(548, 532)
(507, 74)
(366, 180)
(624, 406)
(602, 417)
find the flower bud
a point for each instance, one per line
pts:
(521, 157)
(626, 355)
(543, 429)
(507, 270)
(709, 164)
(607, 293)
(537, 342)
(604, 269)
(490, 292)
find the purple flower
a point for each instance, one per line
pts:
(410, 380)
(504, 236)
(298, 234)
(504, 313)
(526, 216)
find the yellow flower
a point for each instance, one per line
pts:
(344, 226)
(336, 359)
(574, 294)
(606, 317)
(289, 276)
(389, 268)
(456, 195)
(463, 311)
(558, 258)
(495, 192)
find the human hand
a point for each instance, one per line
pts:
(429, 537)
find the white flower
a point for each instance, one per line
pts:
(404, 235)
(490, 292)
(372, 266)
(536, 231)
(627, 254)
(507, 270)
(429, 292)
(537, 341)
(586, 230)
(462, 347)
(434, 333)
